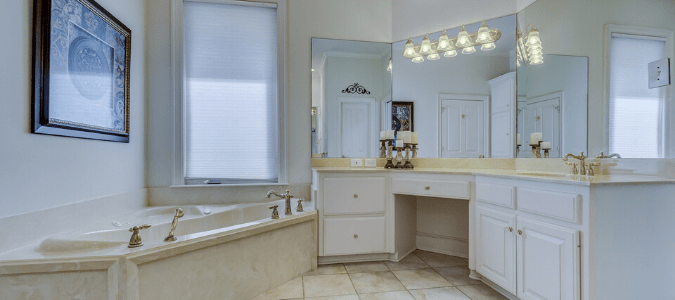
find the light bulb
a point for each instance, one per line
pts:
(488, 47)
(426, 49)
(463, 39)
(533, 37)
(469, 50)
(483, 36)
(389, 67)
(409, 51)
(418, 59)
(434, 56)
(451, 53)
(443, 42)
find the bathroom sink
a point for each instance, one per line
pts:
(547, 175)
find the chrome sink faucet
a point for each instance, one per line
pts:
(287, 196)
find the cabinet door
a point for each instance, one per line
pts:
(496, 247)
(548, 261)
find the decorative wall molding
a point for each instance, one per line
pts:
(356, 89)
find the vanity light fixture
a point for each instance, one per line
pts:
(465, 41)
(529, 51)
(389, 66)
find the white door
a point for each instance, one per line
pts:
(542, 114)
(354, 129)
(502, 108)
(548, 261)
(496, 247)
(462, 128)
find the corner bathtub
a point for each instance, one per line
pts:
(231, 251)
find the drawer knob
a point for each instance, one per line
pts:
(356, 196)
(356, 236)
(510, 229)
(427, 187)
(520, 232)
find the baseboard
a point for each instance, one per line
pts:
(499, 289)
(443, 244)
(398, 256)
(338, 259)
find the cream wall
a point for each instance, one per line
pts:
(576, 27)
(345, 19)
(39, 171)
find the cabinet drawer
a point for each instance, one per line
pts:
(353, 195)
(444, 189)
(497, 194)
(356, 235)
(558, 205)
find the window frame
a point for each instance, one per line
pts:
(178, 95)
(669, 105)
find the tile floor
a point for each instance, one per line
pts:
(421, 275)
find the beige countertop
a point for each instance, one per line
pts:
(515, 174)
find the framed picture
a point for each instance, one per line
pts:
(402, 116)
(81, 60)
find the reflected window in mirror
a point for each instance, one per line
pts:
(637, 113)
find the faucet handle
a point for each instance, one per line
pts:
(300, 209)
(137, 228)
(275, 212)
(575, 170)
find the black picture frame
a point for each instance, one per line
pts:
(407, 122)
(100, 55)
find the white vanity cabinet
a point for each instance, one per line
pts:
(352, 214)
(523, 248)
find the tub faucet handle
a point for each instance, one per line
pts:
(174, 223)
(300, 209)
(275, 212)
(136, 240)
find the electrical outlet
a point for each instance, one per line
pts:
(357, 162)
(371, 162)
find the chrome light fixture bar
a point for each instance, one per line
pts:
(529, 51)
(465, 41)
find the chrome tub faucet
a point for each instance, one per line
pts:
(287, 196)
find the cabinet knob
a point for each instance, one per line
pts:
(510, 229)
(356, 236)
(520, 232)
(356, 196)
(427, 187)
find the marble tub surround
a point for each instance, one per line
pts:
(275, 251)
(21, 230)
(410, 279)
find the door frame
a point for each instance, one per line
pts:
(486, 119)
(373, 112)
(560, 95)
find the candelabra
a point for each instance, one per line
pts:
(408, 164)
(383, 148)
(414, 150)
(536, 150)
(399, 158)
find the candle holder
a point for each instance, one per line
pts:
(408, 164)
(390, 156)
(536, 150)
(399, 158)
(546, 152)
(383, 148)
(414, 150)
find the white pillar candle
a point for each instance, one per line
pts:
(545, 145)
(518, 140)
(413, 139)
(406, 136)
(535, 138)
(390, 134)
(399, 143)
(383, 135)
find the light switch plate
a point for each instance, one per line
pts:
(659, 73)
(371, 162)
(357, 162)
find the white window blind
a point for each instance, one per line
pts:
(635, 111)
(231, 87)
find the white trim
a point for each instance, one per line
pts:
(486, 117)
(669, 111)
(178, 74)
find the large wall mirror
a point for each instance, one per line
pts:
(463, 104)
(351, 85)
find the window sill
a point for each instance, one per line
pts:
(226, 185)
